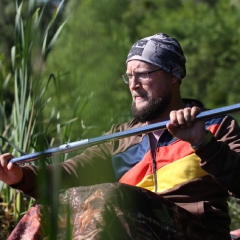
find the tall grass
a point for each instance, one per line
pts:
(23, 126)
(234, 211)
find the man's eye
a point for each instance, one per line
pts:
(142, 73)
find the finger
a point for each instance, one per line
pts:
(177, 118)
(194, 112)
(172, 128)
(11, 166)
(4, 160)
(183, 117)
(187, 117)
(173, 118)
(7, 156)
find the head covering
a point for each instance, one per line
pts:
(162, 51)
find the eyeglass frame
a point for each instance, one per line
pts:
(127, 76)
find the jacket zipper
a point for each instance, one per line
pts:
(154, 164)
(155, 170)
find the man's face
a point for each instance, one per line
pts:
(151, 97)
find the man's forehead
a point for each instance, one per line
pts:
(140, 64)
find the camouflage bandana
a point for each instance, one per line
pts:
(162, 51)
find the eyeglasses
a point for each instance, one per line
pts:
(142, 77)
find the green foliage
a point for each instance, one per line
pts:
(7, 15)
(23, 126)
(234, 205)
(208, 34)
(93, 64)
(95, 42)
(103, 32)
(89, 58)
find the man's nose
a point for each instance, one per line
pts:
(133, 82)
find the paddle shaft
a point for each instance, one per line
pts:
(73, 146)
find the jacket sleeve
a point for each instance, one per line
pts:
(93, 166)
(221, 157)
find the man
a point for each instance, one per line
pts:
(191, 165)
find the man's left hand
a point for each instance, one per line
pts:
(184, 126)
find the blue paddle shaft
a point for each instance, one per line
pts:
(73, 146)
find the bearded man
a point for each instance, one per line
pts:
(169, 184)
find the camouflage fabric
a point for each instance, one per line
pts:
(30, 225)
(112, 211)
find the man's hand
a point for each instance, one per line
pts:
(184, 126)
(10, 173)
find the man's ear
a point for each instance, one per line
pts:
(175, 80)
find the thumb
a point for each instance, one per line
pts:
(14, 169)
(171, 128)
(15, 173)
(11, 166)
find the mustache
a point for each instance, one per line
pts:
(134, 94)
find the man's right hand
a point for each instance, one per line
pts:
(10, 173)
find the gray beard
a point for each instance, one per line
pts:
(150, 111)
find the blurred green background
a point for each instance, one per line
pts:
(82, 70)
(89, 56)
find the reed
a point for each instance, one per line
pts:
(23, 126)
